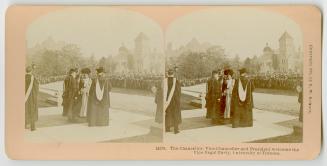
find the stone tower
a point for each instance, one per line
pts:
(286, 52)
(122, 60)
(142, 50)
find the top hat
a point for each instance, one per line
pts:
(28, 69)
(86, 71)
(214, 72)
(100, 70)
(243, 70)
(72, 70)
(171, 71)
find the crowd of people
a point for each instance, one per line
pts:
(140, 82)
(49, 79)
(277, 81)
(191, 82)
(266, 81)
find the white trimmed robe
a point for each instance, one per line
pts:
(173, 115)
(31, 93)
(242, 103)
(99, 102)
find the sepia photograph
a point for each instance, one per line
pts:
(236, 78)
(94, 75)
(163, 82)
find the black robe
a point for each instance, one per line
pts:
(213, 99)
(71, 91)
(31, 106)
(98, 110)
(78, 97)
(159, 100)
(65, 98)
(242, 111)
(173, 111)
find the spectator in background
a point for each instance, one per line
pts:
(300, 100)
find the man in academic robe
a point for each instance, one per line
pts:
(215, 93)
(242, 101)
(172, 94)
(209, 100)
(31, 93)
(65, 98)
(71, 91)
(99, 100)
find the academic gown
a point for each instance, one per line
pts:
(242, 110)
(159, 100)
(173, 111)
(98, 109)
(31, 105)
(214, 95)
(208, 98)
(71, 91)
(65, 98)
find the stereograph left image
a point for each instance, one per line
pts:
(94, 75)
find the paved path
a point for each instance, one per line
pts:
(264, 127)
(122, 124)
(194, 128)
(130, 116)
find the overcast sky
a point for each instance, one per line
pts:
(96, 30)
(240, 31)
(102, 31)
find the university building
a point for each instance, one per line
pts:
(286, 58)
(143, 59)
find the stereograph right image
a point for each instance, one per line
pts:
(233, 77)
